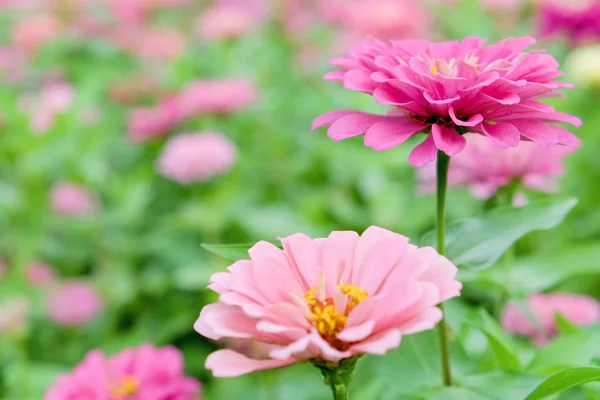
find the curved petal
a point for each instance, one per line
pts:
(391, 132)
(424, 153)
(352, 125)
(228, 363)
(447, 139)
(503, 134)
(379, 343)
(329, 117)
(472, 121)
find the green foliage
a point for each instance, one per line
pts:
(564, 380)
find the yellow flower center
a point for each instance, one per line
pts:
(434, 70)
(326, 318)
(128, 387)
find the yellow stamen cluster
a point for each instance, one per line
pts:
(355, 294)
(326, 318)
(128, 387)
(434, 70)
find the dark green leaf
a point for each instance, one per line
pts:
(564, 380)
(478, 243)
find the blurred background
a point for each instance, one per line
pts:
(132, 131)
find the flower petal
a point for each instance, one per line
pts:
(424, 153)
(503, 134)
(379, 343)
(228, 363)
(391, 132)
(472, 121)
(352, 125)
(447, 139)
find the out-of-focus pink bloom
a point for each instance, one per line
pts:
(537, 319)
(134, 88)
(73, 303)
(144, 372)
(145, 123)
(53, 99)
(384, 19)
(193, 157)
(39, 274)
(327, 299)
(30, 33)
(13, 314)
(579, 20)
(68, 198)
(443, 89)
(217, 96)
(13, 63)
(229, 19)
(484, 167)
(150, 43)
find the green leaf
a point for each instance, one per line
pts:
(233, 252)
(478, 243)
(566, 351)
(564, 380)
(565, 327)
(503, 349)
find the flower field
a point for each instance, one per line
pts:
(298, 199)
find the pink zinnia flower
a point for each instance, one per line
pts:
(445, 89)
(485, 167)
(579, 20)
(538, 319)
(39, 274)
(54, 98)
(30, 33)
(71, 199)
(141, 373)
(217, 96)
(326, 299)
(193, 157)
(73, 303)
(150, 43)
(229, 19)
(13, 314)
(145, 123)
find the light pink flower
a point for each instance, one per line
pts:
(484, 167)
(537, 317)
(71, 199)
(141, 373)
(217, 96)
(444, 89)
(150, 43)
(229, 19)
(327, 299)
(39, 274)
(73, 303)
(193, 157)
(145, 123)
(54, 98)
(30, 33)
(13, 314)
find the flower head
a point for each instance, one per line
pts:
(145, 123)
(576, 19)
(326, 299)
(229, 19)
(446, 89)
(217, 96)
(192, 157)
(71, 199)
(144, 372)
(537, 317)
(73, 303)
(484, 167)
(39, 274)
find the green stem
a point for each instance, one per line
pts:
(443, 162)
(338, 376)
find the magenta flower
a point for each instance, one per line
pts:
(141, 373)
(39, 274)
(193, 157)
(579, 21)
(71, 199)
(446, 89)
(326, 299)
(484, 167)
(73, 303)
(537, 319)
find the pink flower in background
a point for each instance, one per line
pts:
(30, 33)
(484, 167)
(39, 274)
(145, 123)
(444, 89)
(384, 19)
(142, 373)
(578, 20)
(217, 96)
(229, 19)
(326, 299)
(73, 303)
(71, 199)
(193, 157)
(150, 43)
(54, 98)
(537, 317)
(13, 314)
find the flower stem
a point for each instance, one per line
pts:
(443, 162)
(338, 376)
